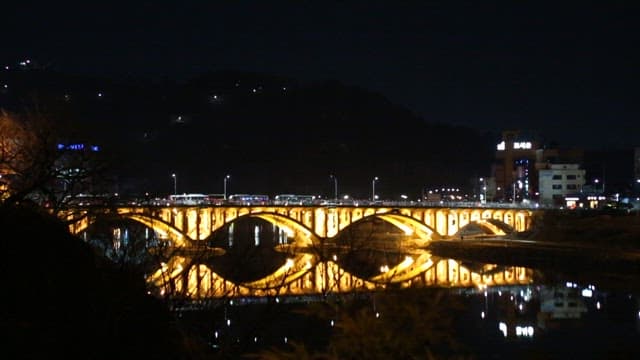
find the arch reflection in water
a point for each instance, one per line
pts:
(305, 275)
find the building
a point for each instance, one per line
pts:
(518, 162)
(515, 161)
(559, 180)
(77, 165)
(447, 194)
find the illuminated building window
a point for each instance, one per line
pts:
(524, 145)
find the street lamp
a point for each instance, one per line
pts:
(226, 178)
(175, 184)
(335, 186)
(484, 190)
(373, 188)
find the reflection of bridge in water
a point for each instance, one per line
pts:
(313, 241)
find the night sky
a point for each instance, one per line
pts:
(566, 73)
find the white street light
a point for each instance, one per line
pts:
(226, 178)
(373, 188)
(175, 184)
(484, 190)
(335, 186)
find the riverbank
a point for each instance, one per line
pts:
(586, 228)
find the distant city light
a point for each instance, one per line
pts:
(503, 328)
(77, 147)
(522, 145)
(524, 331)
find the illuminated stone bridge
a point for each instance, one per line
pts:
(311, 241)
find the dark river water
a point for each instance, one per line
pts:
(563, 320)
(582, 304)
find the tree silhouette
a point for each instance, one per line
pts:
(36, 164)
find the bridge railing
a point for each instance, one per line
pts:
(327, 203)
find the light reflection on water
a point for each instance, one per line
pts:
(566, 319)
(556, 315)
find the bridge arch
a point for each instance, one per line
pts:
(411, 226)
(484, 227)
(302, 236)
(164, 229)
(295, 266)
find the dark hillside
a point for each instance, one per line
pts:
(273, 135)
